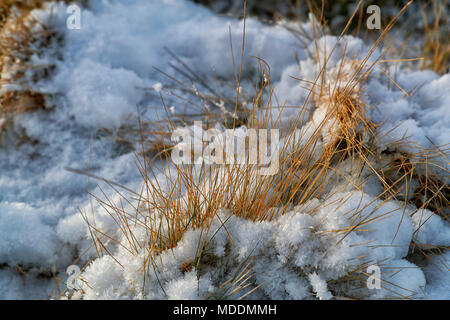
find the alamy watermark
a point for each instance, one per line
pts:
(374, 280)
(73, 281)
(374, 20)
(240, 146)
(73, 22)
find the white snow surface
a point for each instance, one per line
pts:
(108, 68)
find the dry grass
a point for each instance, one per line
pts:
(436, 47)
(19, 40)
(193, 195)
(6, 6)
(14, 103)
(17, 43)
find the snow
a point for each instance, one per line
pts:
(431, 229)
(273, 248)
(402, 279)
(101, 96)
(436, 273)
(32, 240)
(319, 287)
(108, 69)
(422, 117)
(103, 55)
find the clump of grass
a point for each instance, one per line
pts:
(192, 196)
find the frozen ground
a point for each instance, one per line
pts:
(107, 69)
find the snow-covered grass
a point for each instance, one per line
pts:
(17, 41)
(350, 192)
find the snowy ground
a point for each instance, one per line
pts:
(105, 70)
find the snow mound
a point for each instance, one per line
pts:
(296, 256)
